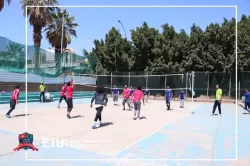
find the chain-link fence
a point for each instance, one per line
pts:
(204, 82)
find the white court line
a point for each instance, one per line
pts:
(8, 131)
(147, 136)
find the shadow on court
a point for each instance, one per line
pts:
(20, 115)
(77, 116)
(246, 113)
(105, 124)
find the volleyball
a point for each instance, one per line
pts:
(86, 61)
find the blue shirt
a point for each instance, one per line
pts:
(147, 92)
(182, 94)
(247, 97)
(131, 92)
(115, 91)
(168, 94)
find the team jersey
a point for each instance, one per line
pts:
(182, 93)
(115, 91)
(147, 92)
(15, 94)
(70, 92)
(126, 93)
(168, 94)
(137, 95)
(131, 92)
(63, 90)
(247, 97)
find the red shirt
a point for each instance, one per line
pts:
(126, 93)
(137, 95)
(70, 92)
(15, 94)
(63, 90)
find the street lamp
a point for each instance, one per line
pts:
(123, 28)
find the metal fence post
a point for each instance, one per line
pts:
(230, 84)
(146, 80)
(128, 79)
(207, 84)
(111, 84)
(186, 82)
(165, 82)
(239, 90)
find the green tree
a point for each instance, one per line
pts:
(2, 3)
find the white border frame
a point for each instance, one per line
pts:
(108, 159)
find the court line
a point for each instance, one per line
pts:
(147, 136)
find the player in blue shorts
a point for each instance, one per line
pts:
(147, 93)
(182, 93)
(115, 94)
(247, 101)
(168, 97)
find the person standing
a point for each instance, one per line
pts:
(168, 97)
(100, 98)
(147, 93)
(247, 101)
(182, 93)
(126, 96)
(42, 92)
(115, 94)
(13, 100)
(69, 96)
(63, 94)
(218, 99)
(137, 96)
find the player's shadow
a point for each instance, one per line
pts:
(142, 117)
(246, 113)
(105, 124)
(20, 115)
(77, 116)
(214, 114)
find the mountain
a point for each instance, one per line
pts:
(5, 42)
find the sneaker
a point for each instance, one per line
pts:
(134, 118)
(123, 109)
(68, 116)
(94, 127)
(7, 116)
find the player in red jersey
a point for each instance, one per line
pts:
(70, 88)
(13, 100)
(63, 94)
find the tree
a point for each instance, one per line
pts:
(2, 3)
(39, 17)
(60, 19)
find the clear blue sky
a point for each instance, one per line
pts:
(94, 23)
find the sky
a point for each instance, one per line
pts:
(94, 23)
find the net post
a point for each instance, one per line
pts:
(111, 84)
(229, 89)
(165, 82)
(186, 82)
(239, 90)
(192, 91)
(146, 80)
(207, 83)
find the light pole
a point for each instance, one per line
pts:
(123, 28)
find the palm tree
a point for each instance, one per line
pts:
(39, 17)
(2, 4)
(61, 19)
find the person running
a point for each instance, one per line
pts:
(182, 93)
(101, 99)
(247, 101)
(42, 92)
(147, 93)
(125, 94)
(168, 97)
(115, 94)
(69, 96)
(63, 94)
(13, 100)
(137, 97)
(217, 102)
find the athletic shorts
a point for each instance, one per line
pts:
(125, 100)
(115, 97)
(61, 98)
(137, 105)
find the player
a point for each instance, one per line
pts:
(69, 96)
(168, 97)
(125, 94)
(147, 93)
(115, 94)
(42, 92)
(218, 100)
(247, 101)
(137, 97)
(182, 93)
(13, 100)
(101, 99)
(63, 94)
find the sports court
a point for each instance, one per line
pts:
(159, 134)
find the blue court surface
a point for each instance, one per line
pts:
(191, 139)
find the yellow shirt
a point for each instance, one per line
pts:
(42, 88)
(218, 94)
